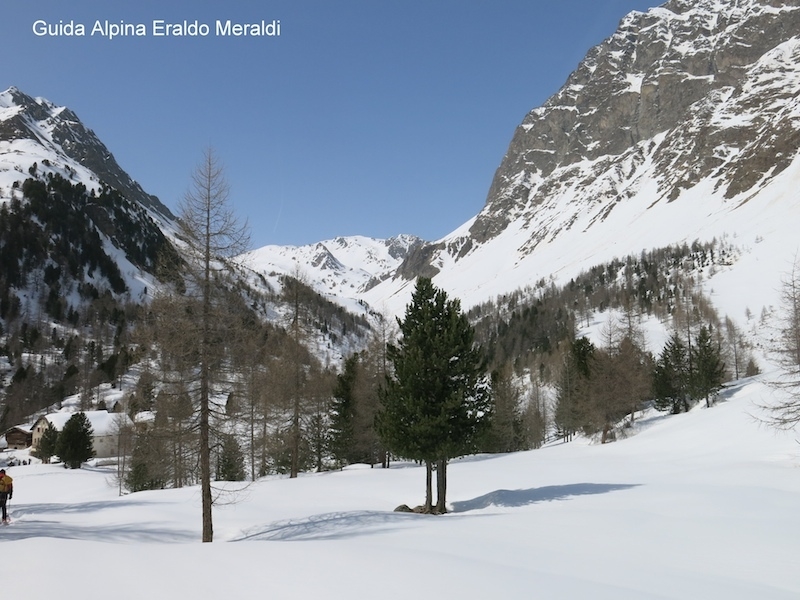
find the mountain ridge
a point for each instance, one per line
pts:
(60, 138)
(690, 106)
(341, 268)
(683, 125)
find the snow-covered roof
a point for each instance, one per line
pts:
(146, 416)
(27, 428)
(103, 422)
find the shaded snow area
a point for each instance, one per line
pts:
(700, 505)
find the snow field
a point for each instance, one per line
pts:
(700, 505)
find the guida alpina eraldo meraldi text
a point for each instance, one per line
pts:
(157, 28)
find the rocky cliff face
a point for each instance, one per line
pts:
(683, 125)
(662, 73)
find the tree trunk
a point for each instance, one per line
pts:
(205, 469)
(252, 440)
(205, 398)
(441, 487)
(294, 467)
(428, 486)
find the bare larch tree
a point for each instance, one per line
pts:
(214, 237)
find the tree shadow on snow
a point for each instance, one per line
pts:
(518, 498)
(329, 526)
(341, 525)
(122, 533)
(35, 520)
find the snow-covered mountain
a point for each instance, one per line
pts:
(340, 269)
(34, 130)
(81, 227)
(684, 125)
(79, 208)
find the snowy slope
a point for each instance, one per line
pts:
(683, 126)
(34, 130)
(699, 505)
(31, 141)
(39, 140)
(764, 227)
(340, 269)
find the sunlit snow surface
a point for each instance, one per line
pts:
(700, 505)
(695, 506)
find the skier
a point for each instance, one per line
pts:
(6, 491)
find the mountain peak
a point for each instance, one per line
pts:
(7, 96)
(13, 92)
(56, 134)
(639, 83)
(682, 125)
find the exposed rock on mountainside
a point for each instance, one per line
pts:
(683, 125)
(57, 133)
(341, 267)
(664, 72)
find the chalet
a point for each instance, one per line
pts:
(105, 428)
(19, 437)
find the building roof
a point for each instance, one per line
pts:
(103, 422)
(23, 428)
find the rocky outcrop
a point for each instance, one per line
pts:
(659, 73)
(690, 91)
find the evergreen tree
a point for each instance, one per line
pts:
(352, 436)
(438, 402)
(582, 354)
(148, 464)
(317, 421)
(48, 444)
(752, 368)
(709, 370)
(671, 377)
(505, 427)
(75, 441)
(573, 389)
(343, 413)
(230, 464)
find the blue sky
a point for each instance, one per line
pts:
(364, 117)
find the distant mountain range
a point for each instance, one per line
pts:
(684, 125)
